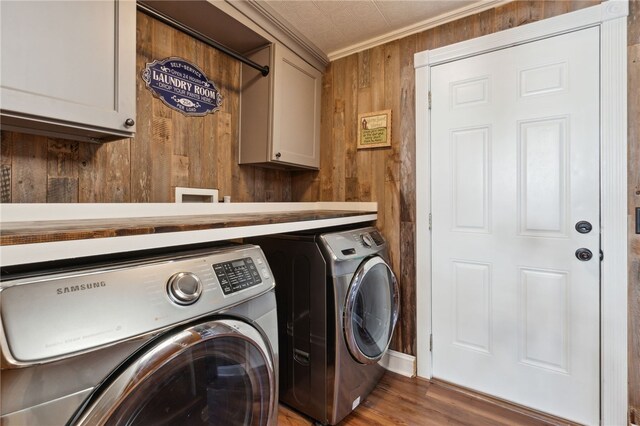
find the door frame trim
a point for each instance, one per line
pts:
(611, 17)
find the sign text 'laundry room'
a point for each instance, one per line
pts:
(182, 86)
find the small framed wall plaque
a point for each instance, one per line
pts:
(374, 129)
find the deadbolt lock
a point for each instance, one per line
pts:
(583, 227)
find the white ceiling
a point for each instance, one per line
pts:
(341, 27)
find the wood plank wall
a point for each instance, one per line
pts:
(383, 77)
(172, 150)
(633, 113)
(169, 149)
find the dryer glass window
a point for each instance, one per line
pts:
(371, 311)
(222, 381)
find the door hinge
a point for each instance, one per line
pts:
(430, 342)
(429, 221)
(429, 99)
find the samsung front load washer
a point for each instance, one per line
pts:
(184, 338)
(338, 305)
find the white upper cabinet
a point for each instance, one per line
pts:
(68, 68)
(280, 113)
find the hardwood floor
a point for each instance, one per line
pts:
(398, 400)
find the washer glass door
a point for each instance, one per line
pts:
(215, 373)
(371, 310)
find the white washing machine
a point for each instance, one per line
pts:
(182, 338)
(338, 303)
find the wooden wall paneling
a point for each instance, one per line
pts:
(633, 23)
(407, 130)
(427, 40)
(29, 169)
(6, 148)
(117, 168)
(307, 185)
(387, 161)
(486, 23)
(207, 151)
(160, 152)
(466, 28)
(209, 147)
(529, 11)
(633, 114)
(634, 325)
(179, 174)
(225, 159)
(62, 190)
(140, 185)
(199, 144)
(345, 103)
(62, 171)
(188, 132)
(185, 128)
(349, 166)
(392, 101)
(224, 153)
(272, 185)
(379, 155)
(506, 16)
(446, 34)
(363, 165)
(160, 142)
(406, 335)
(333, 130)
(555, 8)
(261, 184)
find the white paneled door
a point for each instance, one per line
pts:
(515, 168)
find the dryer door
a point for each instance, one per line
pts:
(371, 310)
(213, 373)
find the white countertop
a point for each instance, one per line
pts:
(13, 214)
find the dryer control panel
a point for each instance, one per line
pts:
(354, 243)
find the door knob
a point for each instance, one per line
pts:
(584, 254)
(583, 227)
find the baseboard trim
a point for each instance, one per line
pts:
(399, 362)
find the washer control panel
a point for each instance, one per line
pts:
(237, 275)
(47, 316)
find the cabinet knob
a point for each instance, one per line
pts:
(278, 155)
(129, 122)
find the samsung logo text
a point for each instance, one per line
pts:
(81, 287)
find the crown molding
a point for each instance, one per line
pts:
(272, 22)
(418, 27)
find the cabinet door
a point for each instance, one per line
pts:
(296, 115)
(70, 63)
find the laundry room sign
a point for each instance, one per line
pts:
(182, 86)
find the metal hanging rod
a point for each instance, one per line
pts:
(264, 70)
